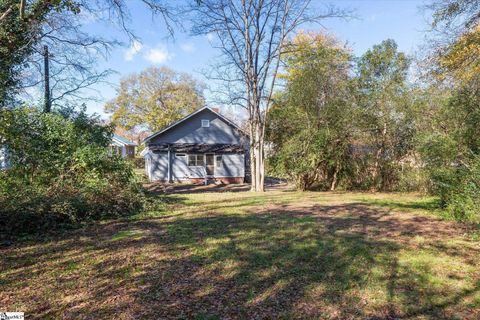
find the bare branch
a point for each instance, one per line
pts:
(5, 14)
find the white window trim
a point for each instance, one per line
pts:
(221, 161)
(196, 155)
(205, 123)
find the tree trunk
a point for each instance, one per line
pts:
(333, 185)
(253, 181)
(258, 172)
(261, 183)
(378, 155)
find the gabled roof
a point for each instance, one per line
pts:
(189, 116)
(122, 141)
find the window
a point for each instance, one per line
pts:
(196, 160)
(205, 123)
(116, 150)
(218, 160)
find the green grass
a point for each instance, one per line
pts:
(127, 234)
(243, 255)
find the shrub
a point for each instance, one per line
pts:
(459, 190)
(411, 178)
(61, 171)
(139, 162)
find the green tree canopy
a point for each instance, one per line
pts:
(310, 122)
(154, 98)
(386, 104)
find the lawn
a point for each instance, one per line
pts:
(240, 255)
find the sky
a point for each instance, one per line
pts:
(401, 20)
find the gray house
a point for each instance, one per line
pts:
(202, 146)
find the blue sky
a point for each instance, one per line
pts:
(401, 20)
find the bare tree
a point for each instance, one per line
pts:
(251, 35)
(74, 52)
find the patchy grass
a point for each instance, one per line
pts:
(243, 255)
(127, 234)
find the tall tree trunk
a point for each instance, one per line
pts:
(333, 185)
(47, 102)
(258, 170)
(261, 183)
(252, 160)
(378, 155)
(258, 177)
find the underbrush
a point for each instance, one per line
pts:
(62, 173)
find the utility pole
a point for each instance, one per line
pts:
(47, 106)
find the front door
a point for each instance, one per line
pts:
(210, 164)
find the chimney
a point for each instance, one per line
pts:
(217, 110)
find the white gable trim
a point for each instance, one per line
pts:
(121, 143)
(188, 117)
(144, 152)
(117, 143)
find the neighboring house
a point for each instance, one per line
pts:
(123, 146)
(3, 159)
(202, 146)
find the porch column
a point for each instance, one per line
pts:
(169, 165)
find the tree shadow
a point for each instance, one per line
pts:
(159, 188)
(287, 261)
(429, 204)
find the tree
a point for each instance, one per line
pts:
(251, 36)
(311, 122)
(456, 39)
(154, 98)
(450, 148)
(383, 98)
(27, 26)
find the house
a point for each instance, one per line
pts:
(203, 146)
(3, 159)
(123, 146)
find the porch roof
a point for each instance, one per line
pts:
(197, 148)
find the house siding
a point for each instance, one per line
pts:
(233, 165)
(181, 171)
(191, 131)
(157, 164)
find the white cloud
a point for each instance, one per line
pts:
(131, 52)
(210, 37)
(158, 55)
(187, 47)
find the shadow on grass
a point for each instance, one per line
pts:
(428, 204)
(330, 261)
(48, 226)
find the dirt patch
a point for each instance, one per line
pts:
(184, 188)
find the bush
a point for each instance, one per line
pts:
(459, 190)
(411, 178)
(61, 171)
(139, 162)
